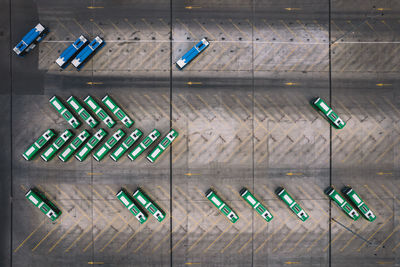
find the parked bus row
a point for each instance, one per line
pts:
(82, 149)
(78, 53)
(94, 107)
(140, 202)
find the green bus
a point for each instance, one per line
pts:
(138, 150)
(128, 142)
(108, 145)
(49, 153)
(99, 111)
(334, 119)
(253, 201)
(44, 204)
(284, 195)
(359, 203)
(131, 206)
(59, 106)
(90, 145)
(222, 206)
(74, 103)
(148, 204)
(339, 200)
(73, 146)
(117, 111)
(39, 144)
(162, 146)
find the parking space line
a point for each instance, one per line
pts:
(130, 238)
(179, 224)
(396, 247)
(386, 239)
(306, 234)
(204, 29)
(387, 150)
(371, 236)
(65, 234)
(359, 143)
(187, 233)
(29, 236)
(94, 207)
(272, 29)
(153, 232)
(223, 232)
(237, 235)
(149, 55)
(151, 27)
(222, 29)
(65, 28)
(156, 106)
(215, 58)
(238, 54)
(377, 143)
(51, 231)
(115, 235)
(290, 30)
(271, 235)
(375, 195)
(316, 201)
(319, 60)
(270, 57)
(82, 234)
(365, 224)
(80, 26)
(187, 29)
(337, 236)
(190, 200)
(100, 233)
(237, 28)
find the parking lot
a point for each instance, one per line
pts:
(242, 110)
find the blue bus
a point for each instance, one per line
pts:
(71, 51)
(192, 53)
(30, 40)
(87, 52)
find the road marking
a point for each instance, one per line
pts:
(383, 84)
(292, 8)
(387, 220)
(190, 174)
(95, 7)
(223, 232)
(192, 7)
(95, 262)
(29, 236)
(384, 173)
(294, 173)
(94, 83)
(292, 262)
(193, 83)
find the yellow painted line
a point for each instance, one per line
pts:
(117, 29)
(237, 235)
(384, 173)
(292, 8)
(305, 235)
(383, 8)
(192, 7)
(286, 58)
(192, 83)
(290, 30)
(375, 195)
(204, 29)
(150, 55)
(354, 236)
(64, 235)
(383, 84)
(319, 60)
(294, 173)
(80, 26)
(191, 174)
(292, 262)
(100, 233)
(223, 30)
(384, 241)
(115, 236)
(286, 237)
(183, 237)
(271, 235)
(223, 232)
(156, 106)
(95, 7)
(383, 138)
(23, 188)
(237, 28)
(155, 231)
(94, 173)
(29, 236)
(130, 238)
(387, 220)
(216, 57)
(95, 262)
(396, 247)
(269, 57)
(49, 233)
(190, 200)
(334, 23)
(305, 29)
(130, 24)
(186, 28)
(94, 83)
(272, 29)
(309, 51)
(192, 263)
(337, 236)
